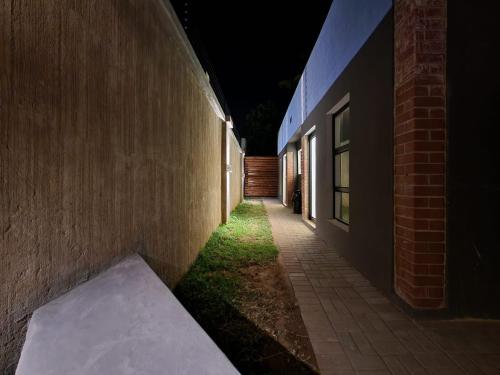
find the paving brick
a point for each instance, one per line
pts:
(392, 347)
(338, 372)
(366, 362)
(335, 361)
(355, 329)
(395, 366)
(435, 360)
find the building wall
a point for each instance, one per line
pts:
(473, 172)
(109, 144)
(347, 27)
(369, 81)
(432, 74)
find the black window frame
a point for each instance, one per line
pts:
(338, 151)
(311, 136)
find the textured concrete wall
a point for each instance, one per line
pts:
(235, 175)
(108, 144)
(224, 161)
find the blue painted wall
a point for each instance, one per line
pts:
(347, 27)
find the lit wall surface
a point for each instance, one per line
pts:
(347, 27)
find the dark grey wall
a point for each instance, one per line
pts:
(473, 160)
(369, 79)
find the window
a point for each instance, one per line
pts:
(283, 182)
(299, 161)
(341, 165)
(312, 176)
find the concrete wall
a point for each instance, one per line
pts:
(368, 79)
(235, 177)
(110, 142)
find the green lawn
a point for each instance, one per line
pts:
(211, 287)
(235, 292)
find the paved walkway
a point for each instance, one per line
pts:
(354, 329)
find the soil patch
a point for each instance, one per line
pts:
(269, 303)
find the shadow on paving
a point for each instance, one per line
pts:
(248, 347)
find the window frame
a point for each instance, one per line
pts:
(337, 151)
(312, 135)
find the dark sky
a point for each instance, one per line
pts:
(253, 45)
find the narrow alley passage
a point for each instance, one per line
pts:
(354, 329)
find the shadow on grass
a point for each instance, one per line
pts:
(249, 348)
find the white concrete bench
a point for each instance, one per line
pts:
(124, 321)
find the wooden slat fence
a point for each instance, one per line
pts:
(261, 176)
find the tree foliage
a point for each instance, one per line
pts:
(261, 129)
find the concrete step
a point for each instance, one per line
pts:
(124, 321)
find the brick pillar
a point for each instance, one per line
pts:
(305, 178)
(290, 177)
(419, 152)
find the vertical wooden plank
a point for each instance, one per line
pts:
(261, 176)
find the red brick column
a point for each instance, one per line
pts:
(305, 178)
(290, 178)
(419, 152)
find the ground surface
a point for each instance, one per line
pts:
(354, 329)
(237, 291)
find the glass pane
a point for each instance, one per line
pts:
(345, 208)
(338, 197)
(342, 121)
(344, 169)
(337, 170)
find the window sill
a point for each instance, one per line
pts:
(339, 224)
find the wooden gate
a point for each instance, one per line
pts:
(261, 176)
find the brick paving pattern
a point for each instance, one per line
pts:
(354, 329)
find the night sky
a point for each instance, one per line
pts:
(252, 46)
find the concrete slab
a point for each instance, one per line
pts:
(125, 321)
